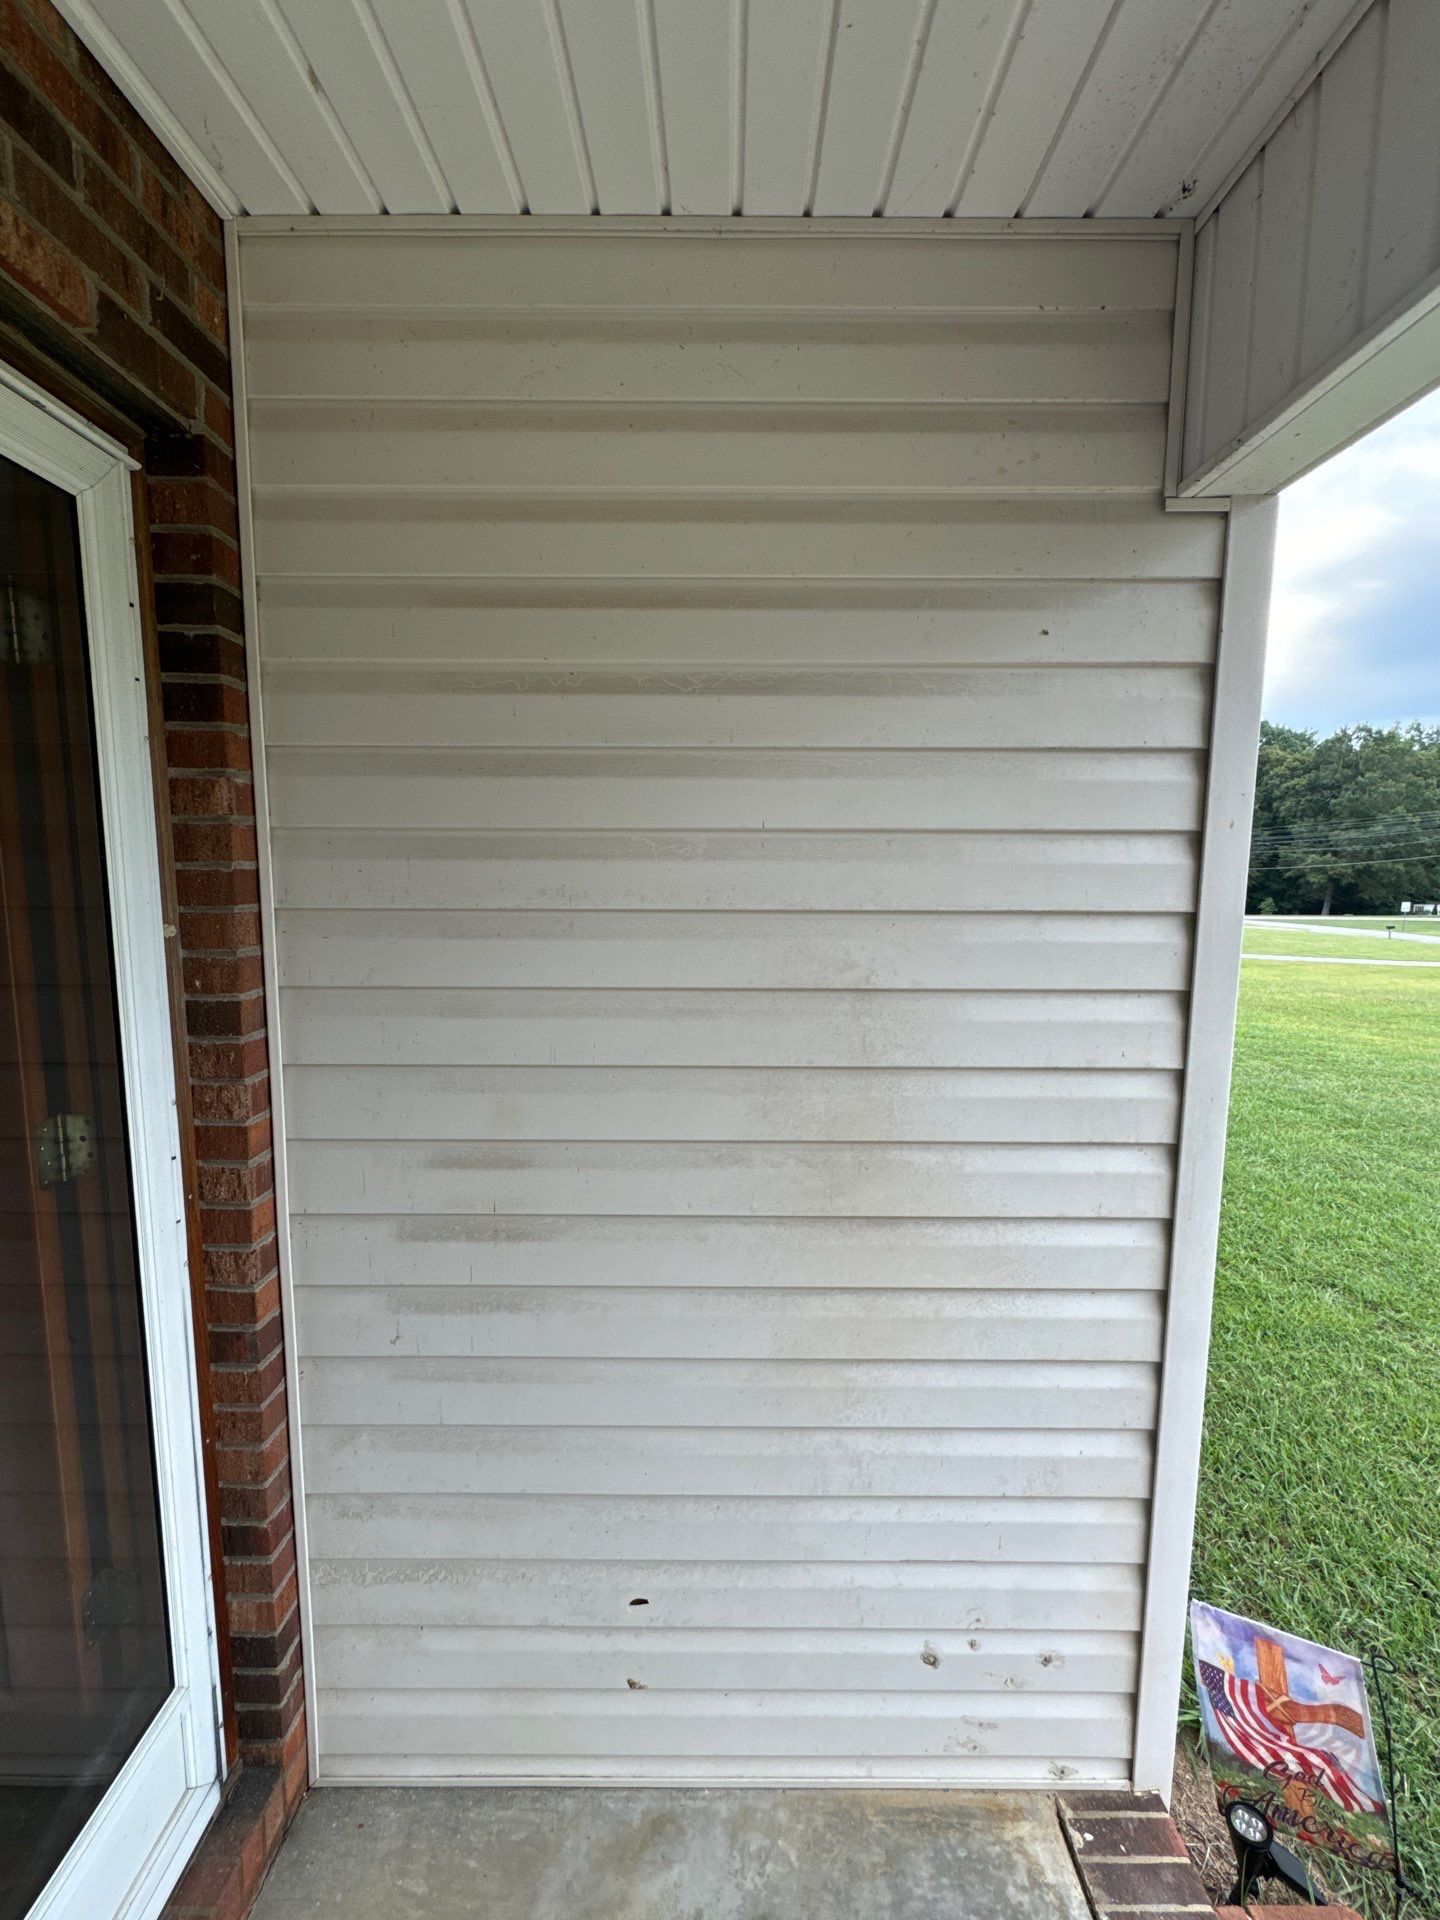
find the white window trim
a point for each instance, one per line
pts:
(170, 1784)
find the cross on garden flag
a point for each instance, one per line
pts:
(1287, 1724)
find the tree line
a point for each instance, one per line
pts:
(1348, 824)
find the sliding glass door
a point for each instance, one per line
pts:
(107, 1748)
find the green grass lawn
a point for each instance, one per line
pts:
(1320, 1490)
(1286, 937)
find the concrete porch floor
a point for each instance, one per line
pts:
(600, 1853)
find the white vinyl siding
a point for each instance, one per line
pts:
(736, 716)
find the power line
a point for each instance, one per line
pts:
(1343, 843)
(1423, 851)
(1339, 830)
(1394, 860)
(1411, 849)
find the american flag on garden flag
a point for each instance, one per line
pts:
(1262, 1742)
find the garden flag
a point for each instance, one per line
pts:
(1287, 1724)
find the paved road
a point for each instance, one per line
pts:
(1337, 960)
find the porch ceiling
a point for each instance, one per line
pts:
(901, 107)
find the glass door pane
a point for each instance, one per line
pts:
(85, 1661)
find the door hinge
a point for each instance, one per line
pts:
(25, 622)
(64, 1148)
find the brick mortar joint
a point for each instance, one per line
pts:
(200, 435)
(206, 528)
(264, 1560)
(155, 476)
(244, 1088)
(170, 578)
(217, 820)
(292, 1612)
(183, 677)
(247, 1406)
(91, 156)
(260, 1486)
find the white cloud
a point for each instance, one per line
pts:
(1355, 614)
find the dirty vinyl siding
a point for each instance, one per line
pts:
(735, 716)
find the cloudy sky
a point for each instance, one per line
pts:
(1355, 617)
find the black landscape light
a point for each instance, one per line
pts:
(1260, 1856)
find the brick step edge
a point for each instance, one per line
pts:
(1286, 1913)
(1128, 1853)
(228, 1867)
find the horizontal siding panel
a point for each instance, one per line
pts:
(28, 1519)
(755, 872)
(27, 1399)
(455, 947)
(696, 1460)
(29, 1328)
(667, 1103)
(736, 725)
(58, 1735)
(338, 449)
(42, 1663)
(542, 356)
(30, 1461)
(364, 1027)
(681, 624)
(1019, 710)
(375, 537)
(537, 1660)
(733, 790)
(39, 1592)
(887, 1323)
(704, 1596)
(413, 1525)
(701, 1178)
(706, 1726)
(337, 1250)
(943, 273)
(801, 1394)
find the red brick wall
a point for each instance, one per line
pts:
(112, 271)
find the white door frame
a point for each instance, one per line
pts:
(135, 1845)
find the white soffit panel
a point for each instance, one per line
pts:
(991, 108)
(1317, 276)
